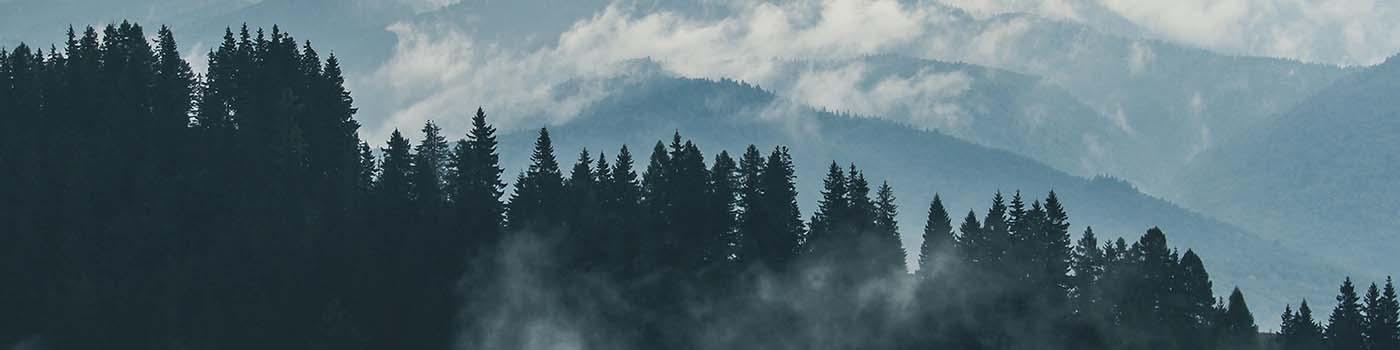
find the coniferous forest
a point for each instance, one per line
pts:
(148, 207)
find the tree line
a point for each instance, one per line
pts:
(159, 208)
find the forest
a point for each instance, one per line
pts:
(151, 207)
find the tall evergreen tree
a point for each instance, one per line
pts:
(1380, 323)
(534, 203)
(1088, 266)
(1237, 327)
(751, 209)
(937, 248)
(1344, 325)
(724, 197)
(1299, 331)
(890, 249)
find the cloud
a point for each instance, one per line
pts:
(440, 72)
(1348, 32)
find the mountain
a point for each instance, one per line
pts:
(730, 115)
(1322, 176)
(1174, 101)
(1001, 109)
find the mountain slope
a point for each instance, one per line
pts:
(1322, 176)
(727, 115)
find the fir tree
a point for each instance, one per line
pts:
(534, 203)
(1380, 322)
(1344, 325)
(937, 248)
(1237, 327)
(890, 249)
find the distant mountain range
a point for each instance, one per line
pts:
(1322, 176)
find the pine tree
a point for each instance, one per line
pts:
(622, 205)
(973, 241)
(1238, 330)
(1385, 332)
(581, 213)
(392, 187)
(429, 172)
(1299, 331)
(998, 236)
(1193, 300)
(1380, 323)
(1088, 266)
(890, 248)
(751, 209)
(724, 200)
(535, 203)
(476, 183)
(1344, 326)
(779, 234)
(1054, 251)
(832, 208)
(937, 249)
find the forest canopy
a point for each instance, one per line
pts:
(159, 208)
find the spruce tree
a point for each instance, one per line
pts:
(1088, 267)
(1385, 332)
(1237, 327)
(890, 248)
(832, 208)
(1299, 331)
(751, 209)
(535, 203)
(724, 200)
(1193, 300)
(1344, 325)
(937, 249)
(1380, 323)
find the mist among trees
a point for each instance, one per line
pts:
(153, 208)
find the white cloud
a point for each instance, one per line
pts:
(439, 72)
(1332, 31)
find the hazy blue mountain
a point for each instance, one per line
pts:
(729, 115)
(1173, 100)
(1322, 176)
(991, 107)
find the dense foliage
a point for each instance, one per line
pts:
(157, 209)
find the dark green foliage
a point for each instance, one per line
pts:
(1380, 323)
(533, 205)
(1237, 328)
(1344, 325)
(241, 210)
(1298, 330)
(937, 248)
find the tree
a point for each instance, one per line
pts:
(1344, 325)
(724, 200)
(1088, 266)
(937, 248)
(1380, 322)
(1193, 301)
(475, 180)
(973, 241)
(751, 209)
(889, 250)
(1299, 331)
(429, 172)
(1237, 327)
(832, 208)
(777, 233)
(534, 204)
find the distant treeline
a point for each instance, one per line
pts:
(148, 207)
